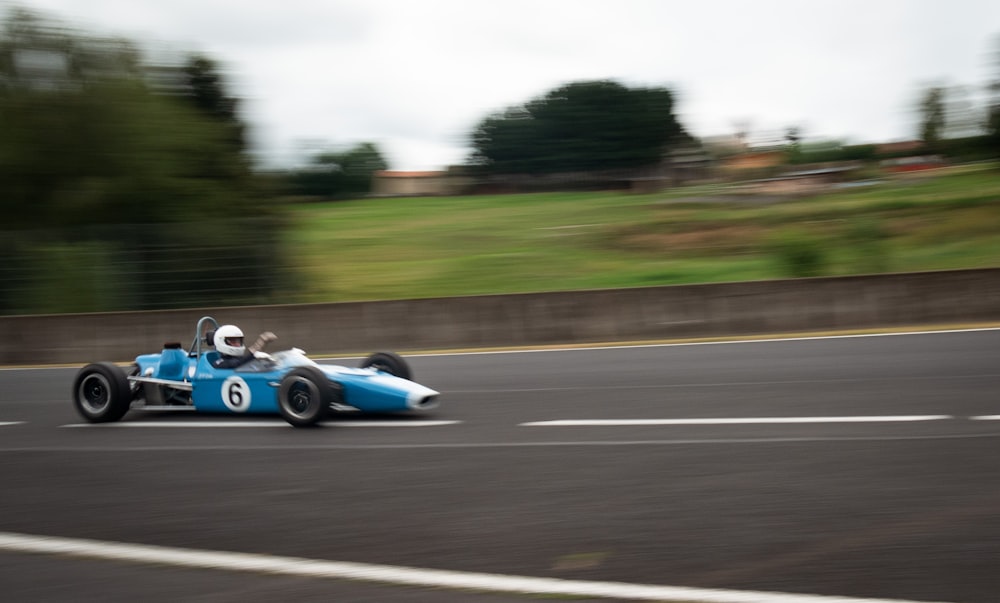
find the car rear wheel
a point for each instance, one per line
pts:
(304, 396)
(389, 362)
(101, 392)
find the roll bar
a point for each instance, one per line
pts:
(199, 335)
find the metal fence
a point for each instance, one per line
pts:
(142, 267)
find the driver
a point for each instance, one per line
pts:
(228, 340)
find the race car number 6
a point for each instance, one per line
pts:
(236, 394)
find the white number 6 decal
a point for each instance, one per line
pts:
(236, 394)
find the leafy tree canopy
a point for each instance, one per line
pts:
(98, 158)
(88, 139)
(204, 87)
(596, 125)
(339, 174)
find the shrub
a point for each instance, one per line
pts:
(866, 236)
(799, 253)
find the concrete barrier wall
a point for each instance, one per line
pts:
(651, 313)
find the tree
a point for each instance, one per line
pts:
(584, 126)
(993, 112)
(962, 118)
(205, 89)
(95, 159)
(339, 174)
(87, 139)
(793, 135)
(502, 142)
(932, 121)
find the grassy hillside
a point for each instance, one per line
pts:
(431, 247)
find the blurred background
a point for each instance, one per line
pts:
(137, 173)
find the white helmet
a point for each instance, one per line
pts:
(229, 340)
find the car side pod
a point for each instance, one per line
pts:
(173, 362)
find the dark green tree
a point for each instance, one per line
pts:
(205, 88)
(584, 126)
(503, 142)
(103, 175)
(339, 174)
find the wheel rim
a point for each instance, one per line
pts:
(94, 394)
(301, 397)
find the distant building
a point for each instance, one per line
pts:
(907, 156)
(805, 182)
(754, 162)
(914, 163)
(905, 147)
(725, 145)
(683, 165)
(390, 183)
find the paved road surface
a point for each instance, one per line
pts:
(861, 467)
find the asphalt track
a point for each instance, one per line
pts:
(785, 470)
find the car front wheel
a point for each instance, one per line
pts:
(304, 396)
(101, 392)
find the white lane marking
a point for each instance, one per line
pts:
(393, 423)
(733, 421)
(488, 445)
(411, 576)
(9, 423)
(210, 424)
(985, 418)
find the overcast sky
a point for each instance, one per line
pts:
(415, 76)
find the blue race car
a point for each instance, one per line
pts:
(288, 383)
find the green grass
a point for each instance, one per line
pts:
(448, 246)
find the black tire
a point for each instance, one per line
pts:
(101, 392)
(389, 362)
(304, 396)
